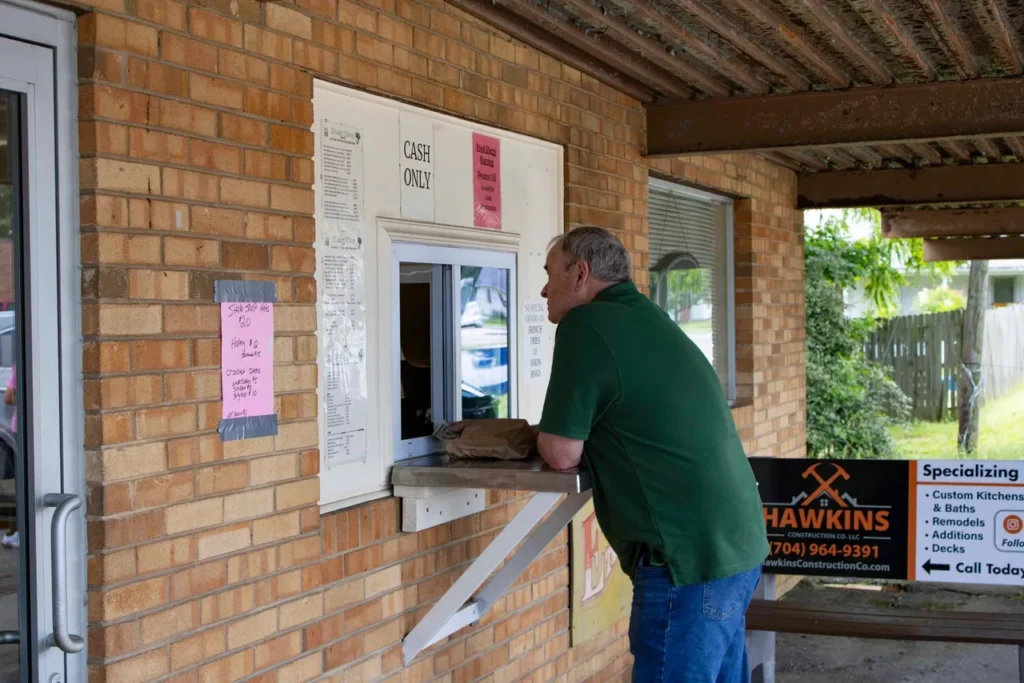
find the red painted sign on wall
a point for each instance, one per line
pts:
(486, 182)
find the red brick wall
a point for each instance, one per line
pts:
(210, 561)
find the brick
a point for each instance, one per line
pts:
(215, 91)
(117, 34)
(233, 668)
(291, 140)
(314, 58)
(352, 14)
(154, 423)
(345, 652)
(161, 78)
(245, 256)
(224, 541)
(293, 259)
(267, 104)
(305, 669)
(383, 636)
(278, 650)
(191, 319)
(160, 354)
(184, 251)
(244, 192)
(137, 528)
(214, 27)
(191, 386)
(248, 504)
(252, 629)
(145, 667)
(168, 623)
(200, 647)
(158, 284)
(100, 137)
(287, 20)
(293, 199)
(112, 103)
(207, 351)
(266, 165)
(227, 604)
(124, 392)
(268, 43)
(211, 155)
(190, 53)
(197, 515)
(275, 528)
(133, 320)
(290, 80)
(123, 176)
(116, 567)
(187, 117)
(120, 248)
(190, 185)
(214, 221)
(243, 67)
(170, 14)
(133, 598)
(383, 581)
(165, 555)
(301, 611)
(297, 494)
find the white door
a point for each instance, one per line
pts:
(42, 599)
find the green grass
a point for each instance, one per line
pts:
(1002, 433)
(695, 327)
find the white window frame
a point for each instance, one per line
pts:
(730, 269)
(456, 258)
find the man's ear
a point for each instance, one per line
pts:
(582, 274)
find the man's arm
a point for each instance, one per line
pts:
(559, 452)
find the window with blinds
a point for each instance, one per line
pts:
(690, 240)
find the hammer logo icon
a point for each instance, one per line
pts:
(825, 485)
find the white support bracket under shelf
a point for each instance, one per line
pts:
(458, 608)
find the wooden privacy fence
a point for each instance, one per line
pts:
(922, 353)
(1002, 360)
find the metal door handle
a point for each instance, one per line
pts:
(64, 504)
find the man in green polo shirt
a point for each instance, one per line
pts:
(638, 403)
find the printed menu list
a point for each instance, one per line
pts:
(343, 297)
(247, 359)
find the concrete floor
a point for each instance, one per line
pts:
(814, 659)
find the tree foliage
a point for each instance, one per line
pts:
(850, 399)
(941, 299)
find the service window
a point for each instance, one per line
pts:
(454, 360)
(431, 236)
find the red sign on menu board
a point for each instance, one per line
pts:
(486, 182)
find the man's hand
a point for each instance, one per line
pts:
(559, 452)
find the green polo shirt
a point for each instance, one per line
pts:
(661, 446)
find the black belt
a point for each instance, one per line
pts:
(654, 556)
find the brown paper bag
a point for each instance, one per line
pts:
(493, 439)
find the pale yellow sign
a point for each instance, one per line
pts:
(601, 592)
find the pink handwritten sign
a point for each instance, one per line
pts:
(486, 182)
(247, 359)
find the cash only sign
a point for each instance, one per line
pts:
(944, 521)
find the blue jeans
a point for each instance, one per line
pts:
(689, 634)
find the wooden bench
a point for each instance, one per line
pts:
(887, 624)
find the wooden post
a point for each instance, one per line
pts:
(969, 396)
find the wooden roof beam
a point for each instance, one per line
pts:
(866, 116)
(651, 48)
(975, 183)
(930, 223)
(794, 39)
(974, 249)
(601, 48)
(505, 20)
(739, 39)
(947, 31)
(852, 48)
(668, 28)
(909, 47)
(991, 18)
